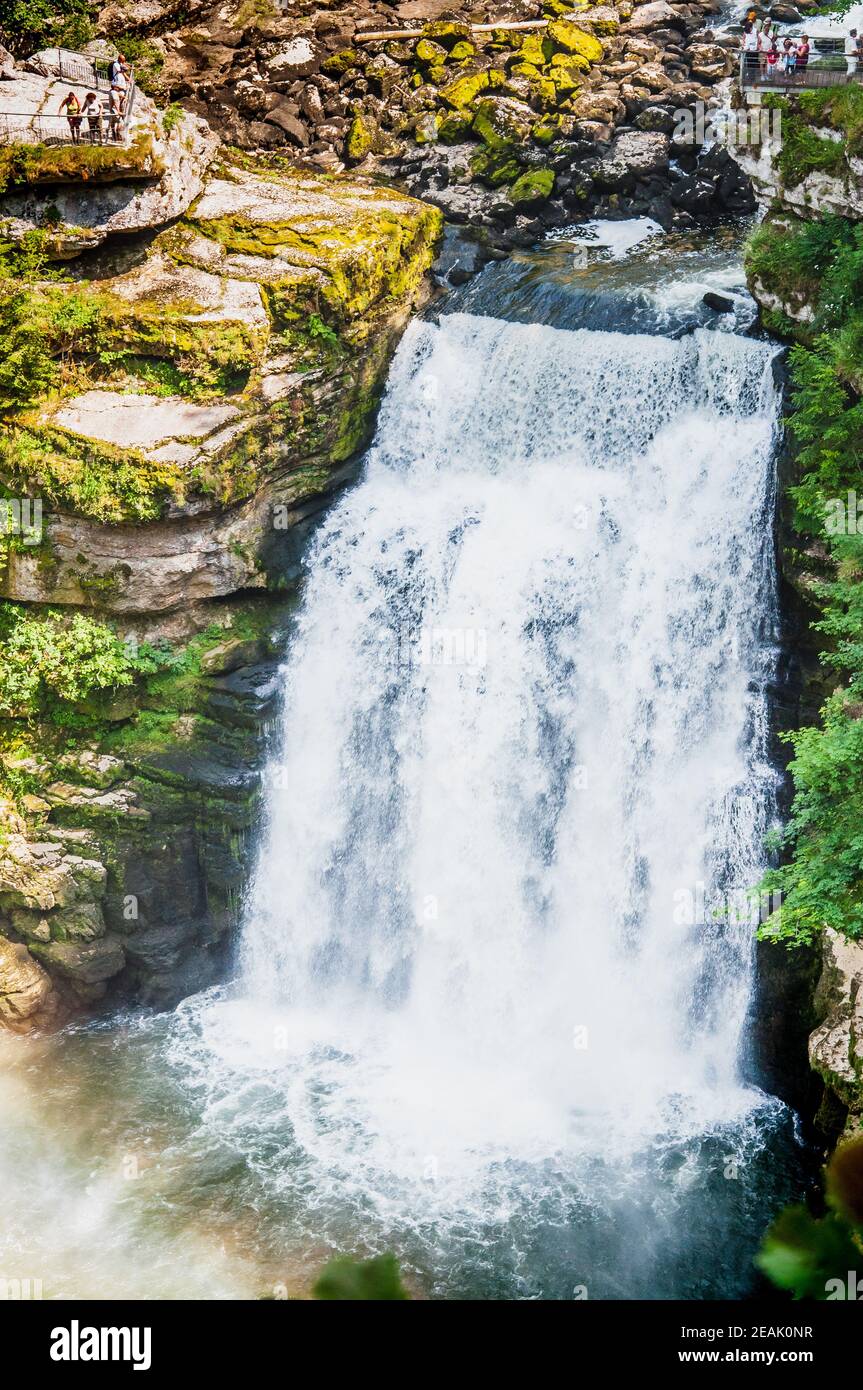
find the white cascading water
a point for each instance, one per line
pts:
(523, 764)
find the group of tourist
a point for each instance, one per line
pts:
(90, 114)
(762, 50)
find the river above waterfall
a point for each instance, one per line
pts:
(491, 997)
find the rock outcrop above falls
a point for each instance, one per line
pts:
(241, 357)
(510, 131)
(805, 155)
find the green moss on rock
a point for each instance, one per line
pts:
(532, 187)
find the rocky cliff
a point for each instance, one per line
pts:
(199, 324)
(196, 349)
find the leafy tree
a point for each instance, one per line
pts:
(52, 658)
(26, 25)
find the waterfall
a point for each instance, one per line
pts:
(496, 964)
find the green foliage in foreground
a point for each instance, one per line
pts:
(349, 1280)
(822, 884)
(810, 1256)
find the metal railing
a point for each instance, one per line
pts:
(26, 128)
(830, 73)
(77, 68)
(50, 128)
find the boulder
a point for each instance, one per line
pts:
(297, 59)
(654, 15)
(25, 988)
(287, 117)
(83, 965)
(633, 155)
(709, 62)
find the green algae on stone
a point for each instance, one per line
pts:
(447, 31)
(462, 93)
(574, 40)
(532, 187)
(341, 62)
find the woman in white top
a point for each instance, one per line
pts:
(851, 52)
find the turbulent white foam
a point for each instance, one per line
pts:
(614, 237)
(468, 940)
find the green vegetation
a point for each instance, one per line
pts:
(810, 1256)
(803, 151)
(100, 481)
(32, 164)
(29, 24)
(349, 1280)
(821, 264)
(62, 339)
(51, 658)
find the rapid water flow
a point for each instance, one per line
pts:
(523, 766)
(491, 1003)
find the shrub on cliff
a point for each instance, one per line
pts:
(818, 266)
(53, 658)
(29, 24)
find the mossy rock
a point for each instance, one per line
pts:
(546, 129)
(431, 53)
(463, 50)
(447, 31)
(495, 167)
(532, 187)
(574, 40)
(342, 62)
(22, 164)
(502, 123)
(536, 49)
(454, 128)
(463, 92)
(360, 139)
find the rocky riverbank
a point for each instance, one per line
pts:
(509, 130)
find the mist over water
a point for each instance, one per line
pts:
(489, 1011)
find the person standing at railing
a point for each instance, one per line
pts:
(120, 84)
(765, 42)
(789, 58)
(750, 50)
(115, 113)
(72, 106)
(851, 52)
(802, 55)
(93, 111)
(772, 60)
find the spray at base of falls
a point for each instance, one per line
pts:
(525, 727)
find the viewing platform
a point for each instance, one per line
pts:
(31, 96)
(827, 67)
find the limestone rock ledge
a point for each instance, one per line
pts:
(241, 356)
(836, 1045)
